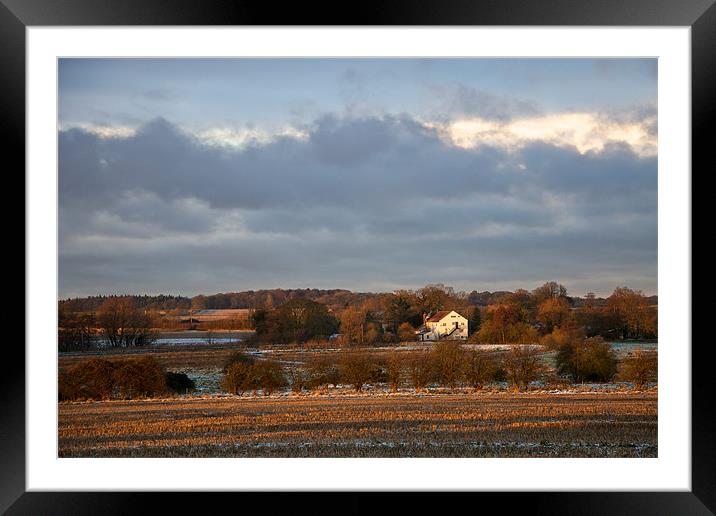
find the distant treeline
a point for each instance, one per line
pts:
(299, 316)
(160, 302)
(335, 299)
(268, 299)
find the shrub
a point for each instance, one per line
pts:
(238, 357)
(66, 389)
(447, 358)
(238, 378)
(561, 337)
(640, 368)
(90, 379)
(590, 360)
(139, 378)
(420, 370)
(479, 368)
(378, 370)
(101, 379)
(499, 373)
(394, 368)
(268, 375)
(179, 382)
(523, 365)
(299, 379)
(263, 374)
(323, 370)
(357, 369)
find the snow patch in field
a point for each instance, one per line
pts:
(368, 444)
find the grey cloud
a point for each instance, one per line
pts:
(343, 144)
(595, 177)
(461, 100)
(357, 262)
(645, 115)
(367, 203)
(158, 94)
(614, 68)
(363, 162)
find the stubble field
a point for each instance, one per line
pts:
(482, 424)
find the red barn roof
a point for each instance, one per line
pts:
(438, 316)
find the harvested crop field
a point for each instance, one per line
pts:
(615, 424)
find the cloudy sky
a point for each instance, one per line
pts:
(215, 175)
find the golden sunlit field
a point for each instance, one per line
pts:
(486, 424)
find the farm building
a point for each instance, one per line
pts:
(445, 324)
(207, 315)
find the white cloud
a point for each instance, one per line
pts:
(103, 131)
(586, 131)
(234, 137)
(582, 130)
(240, 137)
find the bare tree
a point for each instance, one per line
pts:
(75, 330)
(123, 325)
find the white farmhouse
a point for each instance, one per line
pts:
(445, 324)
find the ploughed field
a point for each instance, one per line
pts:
(467, 424)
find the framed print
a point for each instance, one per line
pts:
(424, 246)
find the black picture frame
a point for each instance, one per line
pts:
(16, 15)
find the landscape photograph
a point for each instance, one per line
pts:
(357, 258)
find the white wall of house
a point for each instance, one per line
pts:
(441, 328)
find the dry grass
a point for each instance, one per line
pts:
(614, 424)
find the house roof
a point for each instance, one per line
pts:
(222, 311)
(437, 317)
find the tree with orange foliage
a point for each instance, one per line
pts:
(631, 307)
(553, 313)
(505, 324)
